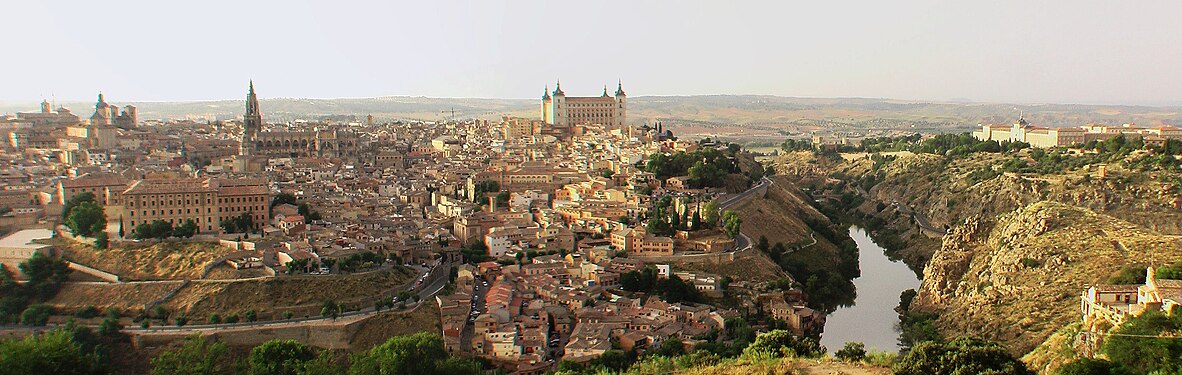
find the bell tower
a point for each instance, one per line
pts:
(252, 122)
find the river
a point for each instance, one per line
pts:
(872, 318)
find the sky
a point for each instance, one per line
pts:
(1091, 52)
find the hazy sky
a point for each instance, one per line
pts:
(1014, 51)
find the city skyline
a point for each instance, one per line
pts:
(1009, 52)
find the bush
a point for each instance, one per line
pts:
(87, 312)
(56, 352)
(1136, 348)
(779, 342)
(1031, 263)
(1089, 366)
(960, 356)
(851, 352)
(36, 315)
(110, 327)
(279, 357)
(215, 318)
(195, 356)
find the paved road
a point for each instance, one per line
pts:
(742, 241)
(918, 218)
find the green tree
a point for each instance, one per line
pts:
(851, 352)
(283, 198)
(279, 357)
(1135, 347)
(245, 222)
(251, 315)
(110, 326)
(325, 363)
(730, 223)
(74, 201)
(36, 315)
(962, 355)
(710, 214)
(86, 219)
(45, 276)
(330, 308)
(55, 352)
(101, 241)
(779, 342)
(671, 347)
(1089, 366)
(195, 356)
(185, 230)
(613, 360)
(420, 353)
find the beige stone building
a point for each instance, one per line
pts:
(561, 110)
(205, 201)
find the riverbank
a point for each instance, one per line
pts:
(872, 318)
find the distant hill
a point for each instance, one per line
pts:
(751, 113)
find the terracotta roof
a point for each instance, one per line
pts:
(169, 186)
(95, 180)
(243, 190)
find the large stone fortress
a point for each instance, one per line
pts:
(561, 110)
(287, 143)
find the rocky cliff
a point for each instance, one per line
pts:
(1017, 279)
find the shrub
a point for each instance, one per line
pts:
(960, 356)
(851, 352)
(1031, 263)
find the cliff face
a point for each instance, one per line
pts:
(947, 192)
(1017, 279)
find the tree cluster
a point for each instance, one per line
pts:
(84, 216)
(962, 355)
(672, 288)
(162, 230)
(1147, 344)
(706, 167)
(243, 223)
(22, 301)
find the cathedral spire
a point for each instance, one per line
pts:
(546, 93)
(605, 91)
(620, 88)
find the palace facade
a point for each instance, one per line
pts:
(561, 110)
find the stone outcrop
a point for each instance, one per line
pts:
(1017, 279)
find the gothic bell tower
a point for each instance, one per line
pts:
(252, 122)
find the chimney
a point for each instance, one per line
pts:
(492, 203)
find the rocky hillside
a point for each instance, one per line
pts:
(947, 191)
(1017, 279)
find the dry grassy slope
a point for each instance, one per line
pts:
(378, 329)
(779, 214)
(73, 296)
(980, 287)
(750, 266)
(301, 295)
(783, 366)
(1058, 350)
(946, 195)
(161, 261)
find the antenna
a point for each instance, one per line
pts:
(452, 111)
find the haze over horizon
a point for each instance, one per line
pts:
(1007, 52)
